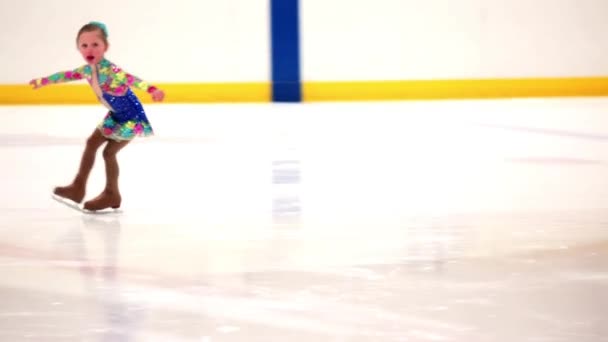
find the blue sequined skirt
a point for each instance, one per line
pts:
(126, 120)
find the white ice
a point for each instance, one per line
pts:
(401, 221)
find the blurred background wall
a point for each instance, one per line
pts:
(229, 50)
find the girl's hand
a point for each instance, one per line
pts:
(35, 84)
(158, 95)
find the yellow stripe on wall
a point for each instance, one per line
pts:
(454, 89)
(66, 94)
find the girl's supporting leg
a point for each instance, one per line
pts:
(110, 196)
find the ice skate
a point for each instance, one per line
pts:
(67, 202)
(74, 192)
(107, 199)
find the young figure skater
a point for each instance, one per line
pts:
(125, 120)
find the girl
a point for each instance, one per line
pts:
(125, 120)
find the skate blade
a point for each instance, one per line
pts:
(73, 205)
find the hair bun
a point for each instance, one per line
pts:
(101, 25)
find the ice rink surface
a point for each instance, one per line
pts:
(401, 221)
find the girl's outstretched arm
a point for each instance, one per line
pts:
(59, 77)
(131, 80)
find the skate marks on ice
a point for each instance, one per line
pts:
(78, 207)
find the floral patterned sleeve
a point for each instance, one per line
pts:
(62, 76)
(122, 80)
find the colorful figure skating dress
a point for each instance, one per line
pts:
(126, 118)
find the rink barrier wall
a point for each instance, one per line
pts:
(66, 94)
(455, 89)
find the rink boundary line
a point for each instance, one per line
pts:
(313, 91)
(75, 94)
(455, 89)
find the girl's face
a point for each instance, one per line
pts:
(92, 46)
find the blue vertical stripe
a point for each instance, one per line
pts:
(285, 45)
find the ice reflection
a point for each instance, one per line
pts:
(93, 246)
